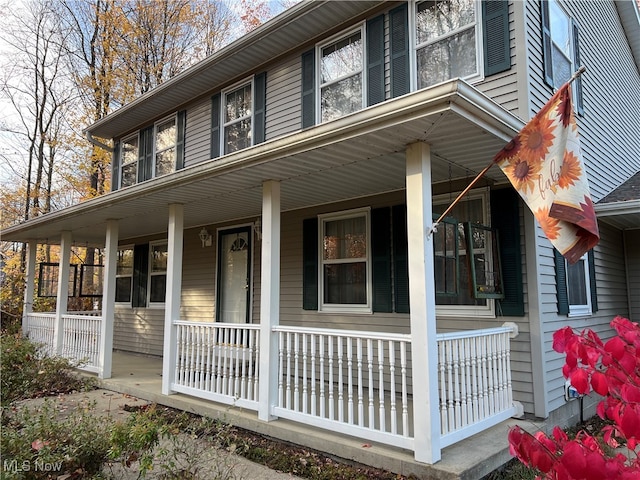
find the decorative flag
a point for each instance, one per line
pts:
(544, 164)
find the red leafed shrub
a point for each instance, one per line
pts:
(611, 369)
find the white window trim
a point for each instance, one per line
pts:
(126, 247)
(122, 164)
(476, 311)
(223, 106)
(363, 72)
(572, 46)
(155, 146)
(345, 308)
(586, 309)
(414, 47)
(151, 304)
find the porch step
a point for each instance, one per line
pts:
(470, 459)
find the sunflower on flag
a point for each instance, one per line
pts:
(544, 164)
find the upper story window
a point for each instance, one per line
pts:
(165, 146)
(151, 152)
(560, 49)
(345, 262)
(129, 161)
(124, 274)
(158, 256)
(237, 108)
(341, 76)
(446, 41)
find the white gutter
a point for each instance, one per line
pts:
(626, 207)
(97, 143)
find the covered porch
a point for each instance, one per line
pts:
(421, 391)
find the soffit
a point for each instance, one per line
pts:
(286, 32)
(355, 156)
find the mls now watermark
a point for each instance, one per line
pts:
(38, 465)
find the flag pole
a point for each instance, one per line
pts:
(434, 227)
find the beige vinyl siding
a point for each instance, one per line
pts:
(198, 133)
(612, 300)
(502, 88)
(632, 247)
(608, 130)
(284, 98)
(611, 154)
(139, 330)
(198, 278)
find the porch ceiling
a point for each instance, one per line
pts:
(357, 155)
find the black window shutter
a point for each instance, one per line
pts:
(399, 46)
(310, 264)
(182, 126)
(115, 166)
(309, 88)
(561, 283)
(140, 275)
(592, 281)
(400, 259)
(381, 259)
(495, 18)
(375, 60)
(215, 126)
(505, 218)
(259, 101)
(145, 159)
(578, 81)
(546, 44)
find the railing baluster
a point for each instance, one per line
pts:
(296, 373)
(332, 411)
(372, 412)
(405, 403)
(381, 408)
(322, 380)
(457, 400)
(360, 382)
(350, 378)
(340, 382)
(392, 383)
(313, 374)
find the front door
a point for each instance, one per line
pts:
(234, 275)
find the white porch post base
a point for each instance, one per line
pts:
(108, 300)
(424, 346)
(63, 290)
(172, 299)
(269, 299)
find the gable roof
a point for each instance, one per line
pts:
(621, 207)
(302, 24)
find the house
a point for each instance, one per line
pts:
(268, 233)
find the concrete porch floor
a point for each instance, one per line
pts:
(470, 459)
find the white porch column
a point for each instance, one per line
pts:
(175, 249)
(63, 289)
(424, 347)
(29, 282)
(269, 298)
(108, 299)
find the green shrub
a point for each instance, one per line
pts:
(26, 373)
(40, 442)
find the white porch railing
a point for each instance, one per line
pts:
(351, 382)
(474, 380)
(359, 383)
(40, 328)
(81, 340)
(80, 336)
(218, 361)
